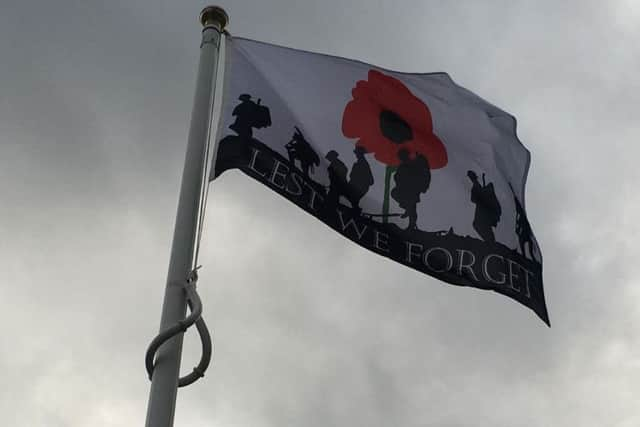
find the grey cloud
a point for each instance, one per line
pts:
(94, 113)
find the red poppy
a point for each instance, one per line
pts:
(386, 117)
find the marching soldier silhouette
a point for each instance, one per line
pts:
(249, 115)
(412, 178)
(337, 180)
(488, 208)
(360, 178)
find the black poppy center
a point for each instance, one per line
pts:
(394, 128)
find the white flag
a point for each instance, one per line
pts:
(410, 166)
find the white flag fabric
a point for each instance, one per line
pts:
(410, 166)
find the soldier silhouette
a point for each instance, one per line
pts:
(523, 228)
(360, 178)
(488, 208)
(412, 178)
(337, 180)
(300, 149)
(249, 115)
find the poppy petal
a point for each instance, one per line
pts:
(362, 120)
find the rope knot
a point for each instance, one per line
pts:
(192, 277)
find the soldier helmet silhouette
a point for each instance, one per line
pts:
(360, 150)
(403, 155)
(331, 155)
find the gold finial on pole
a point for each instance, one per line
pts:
(214, 16)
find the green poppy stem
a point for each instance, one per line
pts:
(387, 184)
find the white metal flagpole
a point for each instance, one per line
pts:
(164, 381)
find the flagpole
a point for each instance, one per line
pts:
(164, 381)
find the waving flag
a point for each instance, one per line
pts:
(410, 166)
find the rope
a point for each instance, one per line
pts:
(205, 359)
(208, 157)
(204, 188)
(195, 305)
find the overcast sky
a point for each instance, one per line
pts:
(95, 99)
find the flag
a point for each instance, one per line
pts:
(410, 166)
